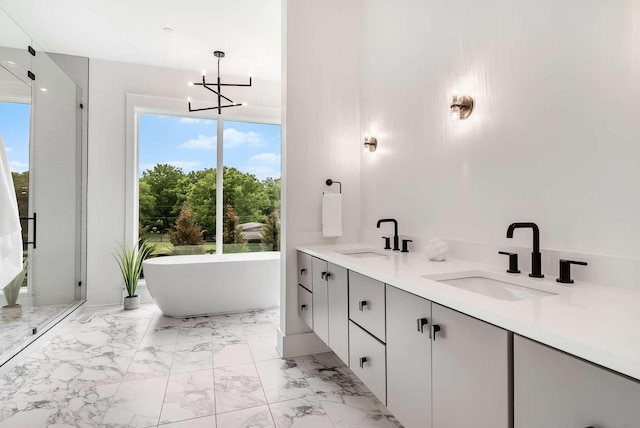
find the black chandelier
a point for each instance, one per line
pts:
(218, 92)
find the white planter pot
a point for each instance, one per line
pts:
(131, 302)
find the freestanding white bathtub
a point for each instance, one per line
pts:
(185, 286)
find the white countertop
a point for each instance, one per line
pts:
(598, 323)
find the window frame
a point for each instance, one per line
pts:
(137, 105)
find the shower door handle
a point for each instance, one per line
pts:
(35, 229)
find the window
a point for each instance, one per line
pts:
(14, 129)
(178, 185)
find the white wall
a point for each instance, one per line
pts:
(106, 218)
(554, 137)
(321, 136)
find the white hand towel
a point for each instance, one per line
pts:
(331, 215)
(10, 230)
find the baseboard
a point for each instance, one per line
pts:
(295, 345)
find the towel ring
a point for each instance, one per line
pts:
(330, 182)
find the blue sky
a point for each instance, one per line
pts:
(191, 145)
(14, 128)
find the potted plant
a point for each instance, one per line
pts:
(11, 293)
(130, 262)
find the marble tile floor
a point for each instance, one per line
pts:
(142, 369)
(15, 326)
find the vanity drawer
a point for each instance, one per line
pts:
(304, 270)
(367, 361)
(366, 304)
(305, 305)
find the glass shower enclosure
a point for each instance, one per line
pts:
(41, 129)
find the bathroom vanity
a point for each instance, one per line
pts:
(460, 344)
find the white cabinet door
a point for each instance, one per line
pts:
(367, 360)
(409, 358)
(320, 299)
(304, 270)
(470, 373)
(556, 390)
(338, 311)
(305, 306)
(366, 304)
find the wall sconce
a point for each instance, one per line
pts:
(461, 107)
(370, 143)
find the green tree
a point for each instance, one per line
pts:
(247, 195)
(186, 230)
(146, 203)
(233, 236)
(202, 197)
(21, 185)
(163, 181)
(271, 233)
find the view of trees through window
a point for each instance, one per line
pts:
(14, 129)
(178, 178)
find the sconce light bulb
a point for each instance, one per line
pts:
(189, 99)
(455, 113)
(245, 104)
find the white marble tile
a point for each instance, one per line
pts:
(192, 357)
(282, 380)
(84, 404)
(353, 411)
(189, 395)
(263, 346)
(137, 403)
(150, 361)
(28, 418)
(304, 412)
(205, 422)
(237, 387)
(160, 337)
(326, 373)
(229, 352)
(255, 417)
(193, 334)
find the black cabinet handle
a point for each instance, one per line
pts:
(361, 305)
(435, 328)
(322, 274)
(303, 308)
(327, 275)
(421, 323)
(303, 271)
(362, 361)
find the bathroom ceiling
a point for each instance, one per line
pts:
(248, 31)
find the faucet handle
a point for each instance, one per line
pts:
(387, 242)
(565, 270)
(513, 261)
(405, 244)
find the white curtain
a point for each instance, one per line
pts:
(10, 229)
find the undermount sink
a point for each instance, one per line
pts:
(363, 254)
(497, 286)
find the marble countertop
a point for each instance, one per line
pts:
(598, 323)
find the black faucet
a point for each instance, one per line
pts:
(536, 257)
(396, 246)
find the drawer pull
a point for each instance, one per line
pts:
(303, 308)
(421, 323)
(323, 274)
(362, 361)
(303, 271)
(435, 328)
(361, 305)
(327, 275)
